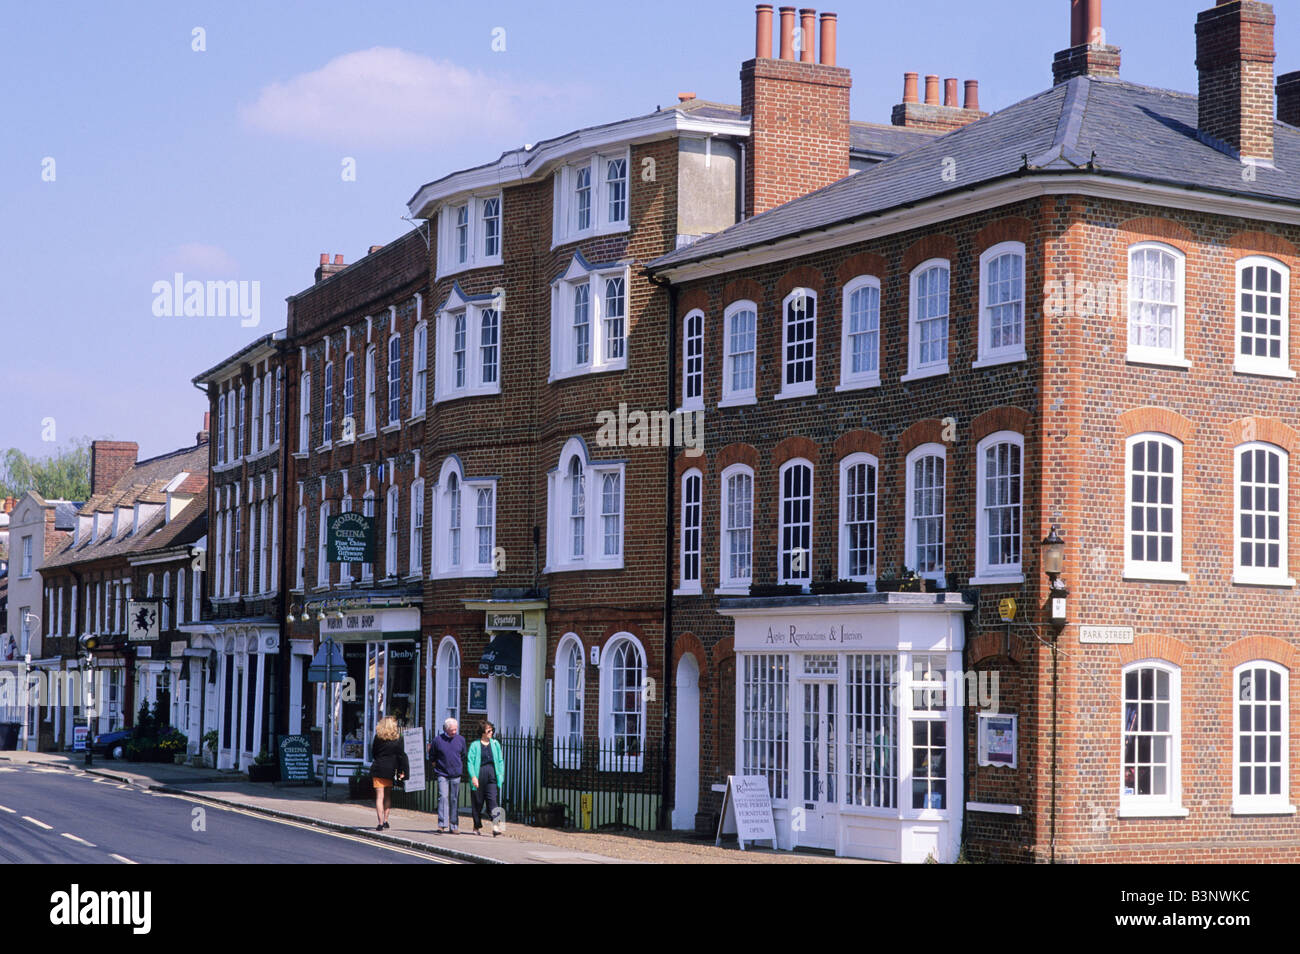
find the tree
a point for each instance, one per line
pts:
(64, 475)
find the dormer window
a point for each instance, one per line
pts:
(469, 234)
(589, 319)
(590, 198)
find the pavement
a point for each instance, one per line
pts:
(412, 830)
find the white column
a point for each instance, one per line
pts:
(532, 672)
(296, 663)
(261, 698)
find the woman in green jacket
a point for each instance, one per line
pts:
(486, 775)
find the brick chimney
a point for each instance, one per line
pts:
(202, 436)
(1234, 55)
(9, 504)
(1288, 98)
(1088, 53)
(798, 109)
(942, 117)
(326, 269)
(109, 460)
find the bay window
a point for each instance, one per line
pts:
(464, 523)
(574, 542)
(589, 319)
(590, 197)
(467, 352)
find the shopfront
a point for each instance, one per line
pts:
(850, 706)
(382, 659)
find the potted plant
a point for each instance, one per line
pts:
(775, 589)
(210, 743)
(906, 580)
(821, 587)
(264, 768)
(173, 745)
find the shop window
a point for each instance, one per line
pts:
(622, 697)
(929, 734)
(871, 727)
(765, 717)
(1260, 728)
(1150, 782)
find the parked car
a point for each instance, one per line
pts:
(111, 745)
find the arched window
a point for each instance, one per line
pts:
(1153, 518)
(1261, 733)
(860, 337)
(448, 680)
(736, 547)
(740, 325)
(693, 360)
(622, 696)
(927, 352)
(577, 510)
(574, 487)
(1150, 777)
(692, 518)
(1002, 304)
(1260, 530)
(998, 497)
(858, 517)
(417, 527)
(569, 672)
(799, 343)
(1155, 304)
(395, 379)
(796, 479)
(462, 505)
(1263, 326)
(926, 501)
(394, 536)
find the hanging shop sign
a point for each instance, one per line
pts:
(143, 617)
(350, 538)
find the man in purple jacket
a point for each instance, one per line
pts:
(447, 753)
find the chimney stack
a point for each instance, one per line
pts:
(109, 460)
(798, 111)
(1288, 98)
(326, 269)
(202, 436)
(932, 114)
(1088, 53)
(1234, 56)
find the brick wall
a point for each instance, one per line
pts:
(1235, 54)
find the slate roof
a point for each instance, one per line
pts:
(1101, 126)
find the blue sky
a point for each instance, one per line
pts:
(226, 163)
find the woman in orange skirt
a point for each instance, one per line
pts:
(388, 762)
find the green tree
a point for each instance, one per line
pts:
(65, 474)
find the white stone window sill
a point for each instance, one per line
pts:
(299, 455)
(995, 808)
(328, 445)
(922, 373)
(691, 590)
(736, 589)
(738, 400)
(413, 578)
(992, 361)
(858, 384)
(619, 365)
(582, 567)
(690, 408)
(986, 580)
(366, 436)
(1152, 811)
(796, 391)
(459, 574)
(457, 393)
(1264, 370)
(414, 418)
(1140, 575)
(391, 428)
(1157, 360)
(1276, 808)
(1248, 579)
(566, 238)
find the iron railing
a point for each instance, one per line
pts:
(583, 785)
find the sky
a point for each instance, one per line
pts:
(237, 142)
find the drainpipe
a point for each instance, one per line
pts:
(282, 581)
(1055, 736)
(667, 794)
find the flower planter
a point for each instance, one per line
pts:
(825, 587)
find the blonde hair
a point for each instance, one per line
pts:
(387, 728)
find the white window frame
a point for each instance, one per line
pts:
(915, 369)
(1169, 805)
(322, 550)
(472, 309)
(255, 417)
(909, 535)
(731, 395)
(782, 577)
(267, 416)
(728, 584)
(686, 511)
(854, 460)
(394, 378)
(581, 272)
(447, 688)
(609, 761)
(986, 572)
(987, 354)
(1145, 354)
(1279, 804)
(1142, 569)
(564, 212)
(27, 556)
(559, 550)
(304, 414)
(368, 510)
(300, 574)
(440, 564)
(849, 379)
(693, 402)
(419, 370)
(1249, 574)
(327, 407)
(1250, 364)
(371, 411)
(416, 557)
(448, 251)
(349, 391)
(800, 388)
(567, 751)
(393, 524)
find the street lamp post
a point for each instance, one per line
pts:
(1053, 555)
(27, 678)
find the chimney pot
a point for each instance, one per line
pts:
(787, 33)
(763, 31)
(910, 93)
(685, 97)
(338, 259)
(324, 258)
(973, 95)
(826, 44)
(1093, 32)
(950, 93)
(931, 90)
(1077, 35)
(808, 19)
